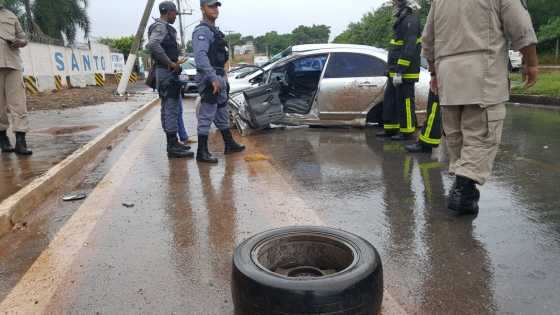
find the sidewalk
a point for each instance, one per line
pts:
(55, 134)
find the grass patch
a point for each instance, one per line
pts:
(548, 59)
(548, 85)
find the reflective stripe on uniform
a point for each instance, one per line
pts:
(391, 127)
(403, 62)
(406, 76)
(398, 42)
(425, 137)
(409, 128)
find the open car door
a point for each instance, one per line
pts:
(264, 105)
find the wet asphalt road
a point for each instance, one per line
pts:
(171, 252)
(56, 134)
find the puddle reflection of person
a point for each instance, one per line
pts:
(458, 276)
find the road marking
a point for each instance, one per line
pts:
(35, 290)
(284, 204)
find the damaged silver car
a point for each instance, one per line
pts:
(325, 87)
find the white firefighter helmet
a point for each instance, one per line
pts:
(413, 4)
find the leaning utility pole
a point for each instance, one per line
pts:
(123, 84)
(182, 32)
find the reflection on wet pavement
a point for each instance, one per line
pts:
(171, 253)
(58, 133)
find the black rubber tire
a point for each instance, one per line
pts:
(358, 290)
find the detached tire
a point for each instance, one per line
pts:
(307, 271)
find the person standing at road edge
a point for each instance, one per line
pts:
(399, 110)
(466, 45)
(211, 55)
(13, 100)
(165, 51)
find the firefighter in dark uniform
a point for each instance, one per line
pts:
(430, 135)
(165, 51)
(211, 55)
(399, 115)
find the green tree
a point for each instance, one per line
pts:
(551, 32)
(61, 19)
(122, 44)
(234, 39)
(273, 43)
(542, 11)
(374, 29)
(16, 6)
(316, 34)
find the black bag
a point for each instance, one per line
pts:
(151, 80)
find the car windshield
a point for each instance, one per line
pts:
(273, 59)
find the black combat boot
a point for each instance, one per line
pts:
(203, 155)
(184, 145)
(231, 145)
(386, 134)
(175, 150)
(402, 137)
(21, 144)
(419, 147)
(464, 196)
(5, 144)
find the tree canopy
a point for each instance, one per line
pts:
(375, 27)
(59, 19)
(273, 43)
(551, 30)
(122, 44)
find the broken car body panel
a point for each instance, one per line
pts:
(326, 87)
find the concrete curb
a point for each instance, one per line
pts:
(536, 100)
(14, 209)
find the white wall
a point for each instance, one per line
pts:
(46, 61)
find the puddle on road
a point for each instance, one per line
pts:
(55, 131)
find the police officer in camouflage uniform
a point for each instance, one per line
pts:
(165, 52)
(211, 56)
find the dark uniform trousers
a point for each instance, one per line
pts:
(431, 132)
(399, 108)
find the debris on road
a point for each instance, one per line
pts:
(128, 205)
(19, 227)
(74, 197)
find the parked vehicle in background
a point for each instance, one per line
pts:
(188, 77)
(261, 60)
(515, 60)
(324, 87)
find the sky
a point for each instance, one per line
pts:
(114, 18)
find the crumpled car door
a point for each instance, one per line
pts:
(264, 105)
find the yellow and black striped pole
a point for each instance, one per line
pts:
(99, 80)
(58, 82)
(133, 77)
(31, 84)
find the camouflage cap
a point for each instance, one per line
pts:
(167, 6)
(210, 2)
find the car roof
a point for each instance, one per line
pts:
(308, 47)
(368, 50)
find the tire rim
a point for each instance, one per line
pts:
(304, 255)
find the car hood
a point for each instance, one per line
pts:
(189, 72)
